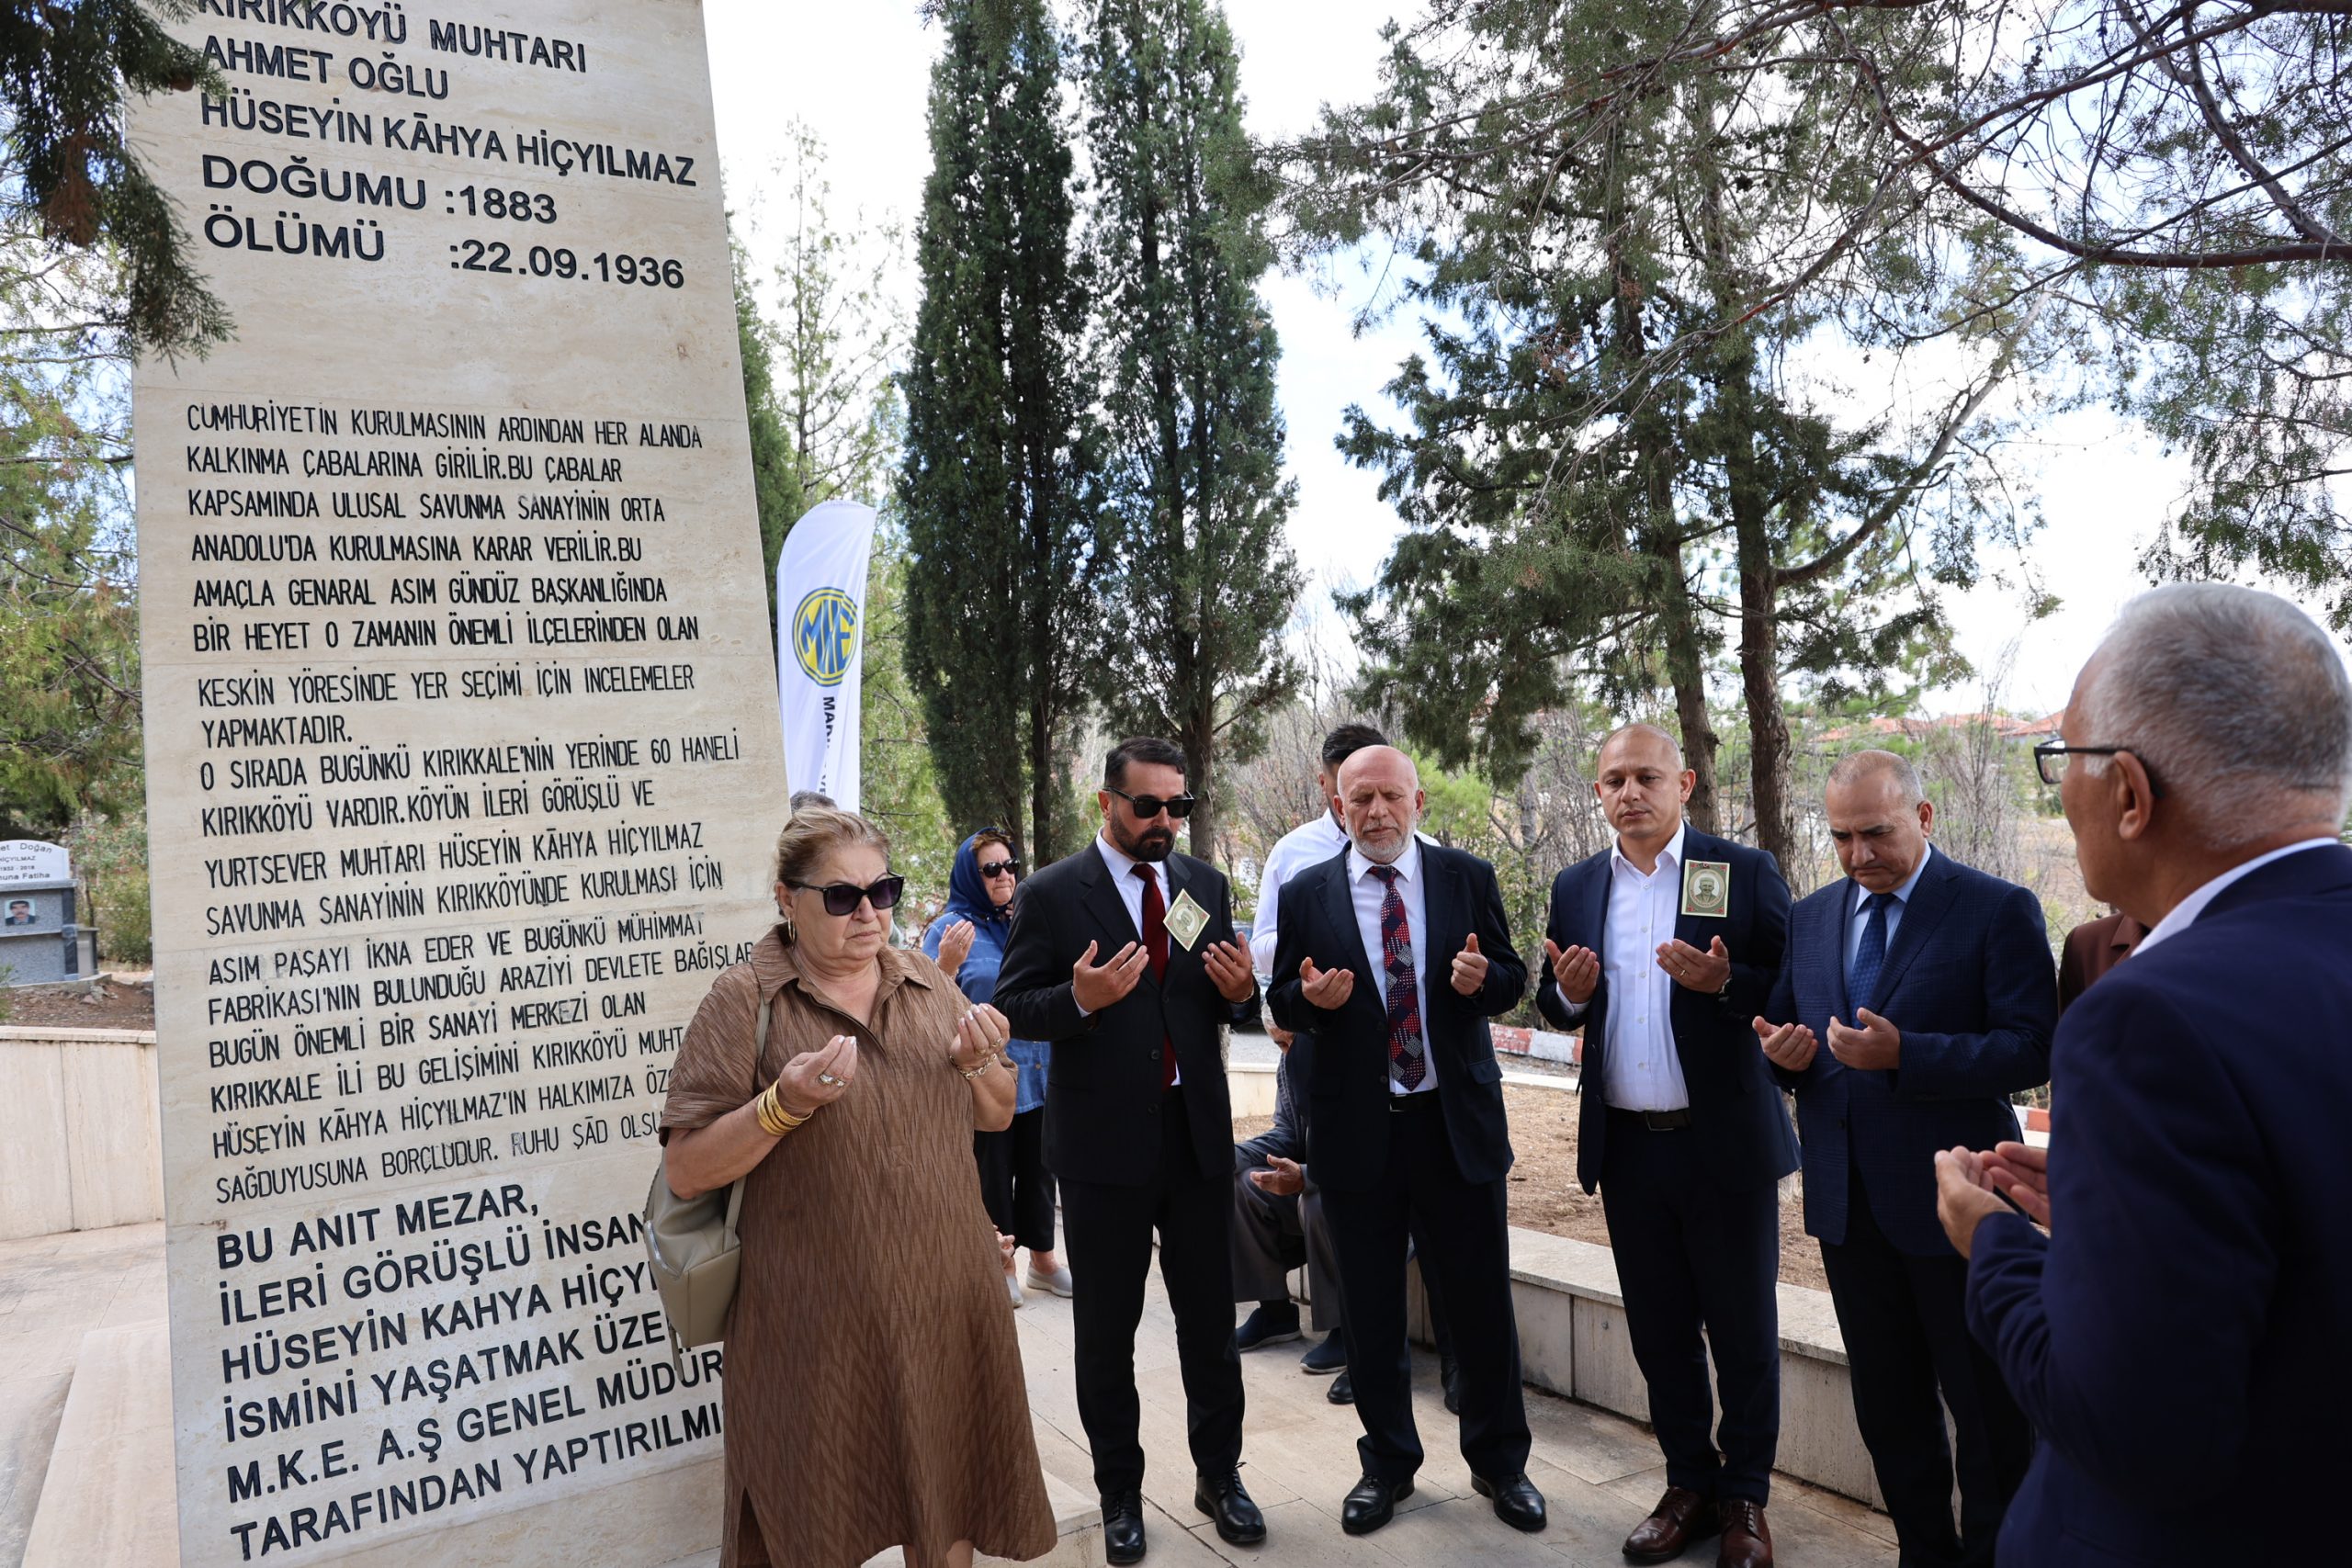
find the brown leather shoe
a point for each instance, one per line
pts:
(1745, 1543)
(1680, 1518)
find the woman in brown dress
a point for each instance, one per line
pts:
(874, 1386)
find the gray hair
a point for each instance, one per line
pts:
(1855, 767)
(2236, 702)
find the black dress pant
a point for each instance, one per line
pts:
(1467, 1255)
(1014, 1183)
(1109, 1230)
(1692, 1256)
(1907, 1336)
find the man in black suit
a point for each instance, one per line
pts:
(1917, 995)
(1395, 952)
(1661, 948)
(1138, 1124)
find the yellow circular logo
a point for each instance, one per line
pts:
(824, 634)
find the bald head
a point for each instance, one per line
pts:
(1644, 739)
(1380, 799)
(1879, 769)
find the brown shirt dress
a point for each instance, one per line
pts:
(874, 1390)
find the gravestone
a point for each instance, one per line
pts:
(42, 942)
(463, 770)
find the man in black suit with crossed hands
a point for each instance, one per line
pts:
(1138, 1123)
(1395, 953)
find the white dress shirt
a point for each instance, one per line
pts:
(1309, 844)
(2183, 915)
(1130, 886)
(1369, 893)
(1640, 1069)
(1858, 917)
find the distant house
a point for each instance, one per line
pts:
(2008, 726)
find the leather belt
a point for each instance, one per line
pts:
(1420, 1099)
(1654, 1120)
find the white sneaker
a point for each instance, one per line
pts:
(1012, 1288)
(1057, 1282)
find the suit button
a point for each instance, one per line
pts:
(1155, 1052)
(1841, 1122)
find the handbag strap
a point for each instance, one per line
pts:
(759, 1060)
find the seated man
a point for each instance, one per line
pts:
(1278, 1226)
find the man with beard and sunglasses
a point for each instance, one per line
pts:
(1123, 956)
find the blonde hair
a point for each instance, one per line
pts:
(814, 832)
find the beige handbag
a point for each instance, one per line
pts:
(691, 1244)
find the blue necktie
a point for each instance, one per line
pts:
(1862, 989)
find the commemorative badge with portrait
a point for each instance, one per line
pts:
(1706, 888)
(1186, 920)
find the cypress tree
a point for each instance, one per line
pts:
(775, 477)
(1203, 583)
(996, 480)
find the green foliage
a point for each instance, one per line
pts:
(1202, 584)
(111, 857)
(776, 478)
(899, 781)
(997, 481)
(64, 70)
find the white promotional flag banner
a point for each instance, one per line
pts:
(820, 612)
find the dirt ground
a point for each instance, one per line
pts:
(73, 1007)
(1543, 1192)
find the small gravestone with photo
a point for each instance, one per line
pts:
(40, 941)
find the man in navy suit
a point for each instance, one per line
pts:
(1661, 948)
(1946, 976)
(2179, 1339)
(1393, 953)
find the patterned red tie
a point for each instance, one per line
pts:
(1155, 942)
(1405, 1062)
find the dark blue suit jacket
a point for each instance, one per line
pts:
(1970, 982)
(1736, 1113)
(1346, 1090)
(2183, 1341)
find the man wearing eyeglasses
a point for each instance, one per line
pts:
(1915, 997)
(1123, 957)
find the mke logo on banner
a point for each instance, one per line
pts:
(821, 575)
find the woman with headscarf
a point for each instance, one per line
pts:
(967, 940)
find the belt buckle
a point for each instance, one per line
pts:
(1659, 1120)
(1396, 1103)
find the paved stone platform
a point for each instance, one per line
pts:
(95, 1299)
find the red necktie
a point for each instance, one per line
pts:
(1155, 942)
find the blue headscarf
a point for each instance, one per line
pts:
(967, 890)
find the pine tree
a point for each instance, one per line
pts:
(776, 478)
(996, 483)
(1203, 585)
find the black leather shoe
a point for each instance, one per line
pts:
(1223, 1499)
(1269, 1323)
(1123, 1526)
(1342, 1389)
(1516, 1503)
(1372, 1503)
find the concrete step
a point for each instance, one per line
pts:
(108, 1499)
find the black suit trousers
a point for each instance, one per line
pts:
(1462, 1226)
(1109, 1231)
(1905, 1327)
(1691, 1254)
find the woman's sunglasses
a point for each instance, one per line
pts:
(843, 897)
(1001, 867)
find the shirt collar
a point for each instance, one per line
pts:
(1409, 864)
(2183, 914)
(1122, 864)
(1673, 852)
(1902, 893)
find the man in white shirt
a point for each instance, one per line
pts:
(1660, 947)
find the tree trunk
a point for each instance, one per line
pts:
(1759, 628)
(1688, 671)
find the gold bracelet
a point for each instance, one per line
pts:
(986, 1063)
(773, 1119)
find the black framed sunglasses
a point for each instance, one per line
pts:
(1001, 867)
(1150, 805)
(2049, 761)
(843, 897)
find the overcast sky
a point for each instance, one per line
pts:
(859, 74)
